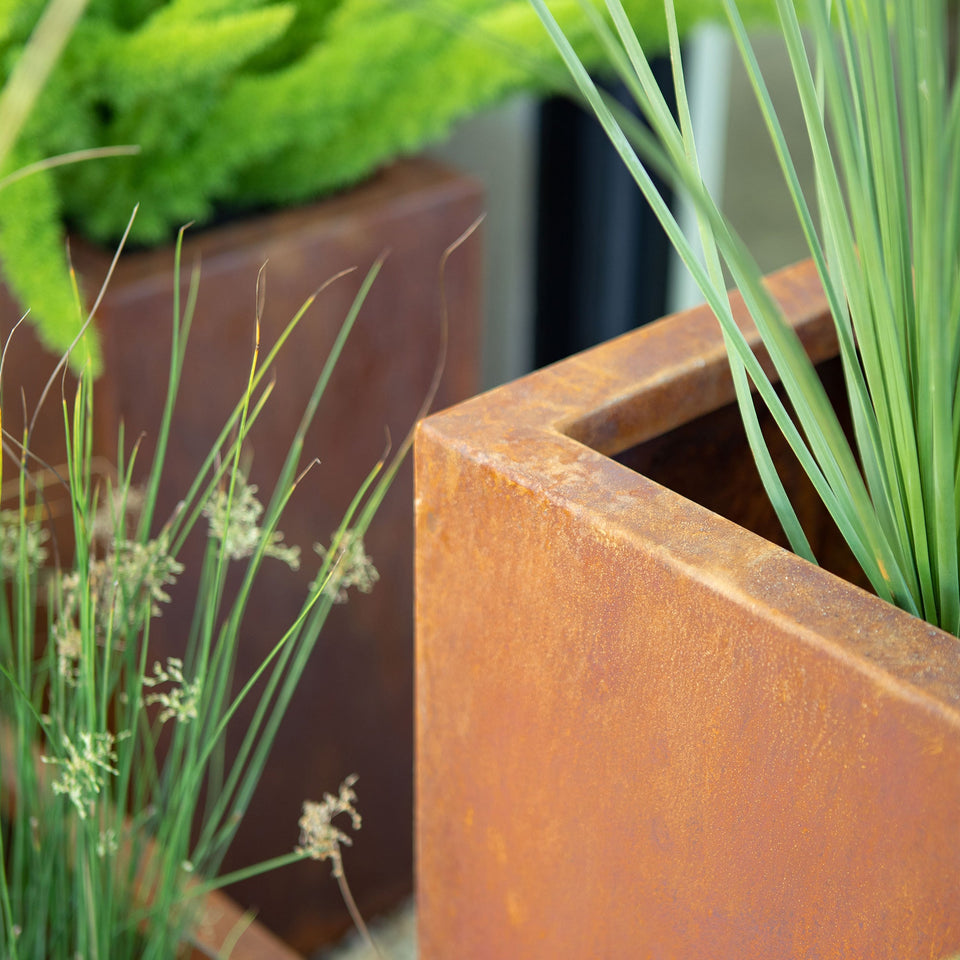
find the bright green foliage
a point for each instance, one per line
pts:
(237, 104)
(33, 247)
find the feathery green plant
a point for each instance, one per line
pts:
(882, 114)
(241, 104)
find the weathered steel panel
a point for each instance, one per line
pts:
(643, 731)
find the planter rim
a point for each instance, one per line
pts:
(411, 181)
(552, 434)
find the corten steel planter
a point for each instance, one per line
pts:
(354, 710)
(643, 730)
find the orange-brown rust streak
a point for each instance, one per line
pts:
(643, 731)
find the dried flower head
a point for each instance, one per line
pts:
(66, 631)
(118, 511)
(141, 572)
(11, 545)
(319, 838)
(180, 701)
(83, 768)
(125, 587)
(107, 843)
(69, 643)
(235, 523)
(350, 567)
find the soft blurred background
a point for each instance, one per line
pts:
(242, 106)
(543, 163)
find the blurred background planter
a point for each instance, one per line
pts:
(643, 729)
(354, 712)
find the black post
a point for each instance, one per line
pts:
(601, 254)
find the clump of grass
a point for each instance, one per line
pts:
(106, 850)
(887, 250)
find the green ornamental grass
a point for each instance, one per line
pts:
(882, 111)
(117, 799)
(107, 753)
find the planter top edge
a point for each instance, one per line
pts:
(414, 180)
(551, 434)
(608, 398)
(910, 658)
(635, 386)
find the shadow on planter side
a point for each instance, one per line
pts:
(643, 730)
(353, 711)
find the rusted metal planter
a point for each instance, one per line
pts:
(353, 711)
(643, 730)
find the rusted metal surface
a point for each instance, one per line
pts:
(646, 732)
(354, 709)
(223, 922)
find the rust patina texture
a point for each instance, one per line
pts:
(353, 711)
(643, 730)
(220, 925)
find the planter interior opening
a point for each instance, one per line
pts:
(707, 460)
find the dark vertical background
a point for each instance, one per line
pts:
(601, 254)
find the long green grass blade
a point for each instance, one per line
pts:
(772, 483)
(886, 254)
